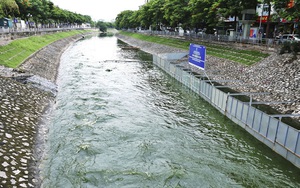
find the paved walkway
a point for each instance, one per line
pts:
(4, 41)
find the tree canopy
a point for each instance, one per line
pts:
(103, 26)
(40, 11)
(8, 7)
(287, 10)
(197, 13)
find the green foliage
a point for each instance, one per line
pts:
(247, 57)
(8, 8)
(150, 14)
(103, 26)
(289, 13)
(124, 19)
(45, 12)
(295, 47)
(199, 14)
(1, 11)
(13, 54)
(177, 12)
(185, 13)
(285, 47)
(202, 14)
(290, 47)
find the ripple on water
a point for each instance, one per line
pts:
(134, 126)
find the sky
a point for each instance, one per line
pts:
(105, 10)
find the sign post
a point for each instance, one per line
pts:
(197, 56)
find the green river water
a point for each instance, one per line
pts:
(119, 121)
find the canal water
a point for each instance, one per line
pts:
(119, 121)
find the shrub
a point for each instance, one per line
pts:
(290, 47)
(295, 47)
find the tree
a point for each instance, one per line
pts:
(202, 16)
(226, 8)
(288, 11)
(8, 8)
(45, 12)
(102, 26)
(268, 2)
(123, 19)
(1, 11)
(57, 15)
(37, 10)
(155, 13)
(23, 7)
(45, 17)
(177, 12)
(145, 17)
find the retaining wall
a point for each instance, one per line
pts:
(282, 138)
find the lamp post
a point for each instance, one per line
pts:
(260, 20)
(261, 14)
(28, 20)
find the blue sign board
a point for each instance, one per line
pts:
(197, 55)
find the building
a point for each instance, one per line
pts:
(5, 23)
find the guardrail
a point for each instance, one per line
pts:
(4, 30)
(268, 42)
(7, 35)
(282, 138)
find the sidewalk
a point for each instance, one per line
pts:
(4, 42)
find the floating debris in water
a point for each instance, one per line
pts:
(129, 48)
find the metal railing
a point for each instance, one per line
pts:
(268, 42)
(6, 30)
(282, 138)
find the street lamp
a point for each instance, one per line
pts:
(28, 19)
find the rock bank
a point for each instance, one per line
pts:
(21, 106)
(23, 101)
(278, 75)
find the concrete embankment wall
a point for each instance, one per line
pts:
(282, 138)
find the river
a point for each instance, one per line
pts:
(119, 121)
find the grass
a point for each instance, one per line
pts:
(246, 57)
(14, 53)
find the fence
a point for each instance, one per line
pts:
(5, 30)
(268, 42)
(282, 138)
(7, 34)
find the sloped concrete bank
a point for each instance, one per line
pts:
(278, 75)
(25, 94)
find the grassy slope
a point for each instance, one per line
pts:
(247, 57)
(13, 54)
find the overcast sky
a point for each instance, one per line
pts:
(106, 10)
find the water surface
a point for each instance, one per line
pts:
(119, 121)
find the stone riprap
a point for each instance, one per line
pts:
(45, 63)
(25, 93)
(20, 109)
(278, 75)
